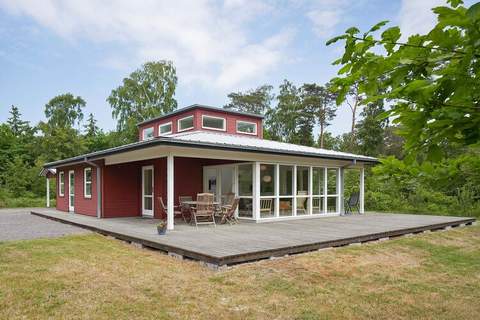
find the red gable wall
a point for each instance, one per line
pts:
(231, 122)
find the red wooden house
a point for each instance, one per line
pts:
(204, 149)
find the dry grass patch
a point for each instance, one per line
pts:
(427, 276)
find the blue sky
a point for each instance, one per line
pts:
(87, 47)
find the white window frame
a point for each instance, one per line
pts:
(143, 133)
(224, 127)
(61, 182)
(85, 170)
(247, 122)
(185, 129)
(163, 125)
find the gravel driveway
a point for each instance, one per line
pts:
(19, 224)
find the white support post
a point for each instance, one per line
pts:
(341, 191)
(325, 191)
(256, 190)
(170, 190)
(294, 209)
(48, 192)
(310, 190)
(277, 190)
(362, 190)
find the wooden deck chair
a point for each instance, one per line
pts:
(176, 213)
(353, 203)
(266, 206)
(316, 204)
(204, 212)
(185, 208)
(301, 201)
(229, 213)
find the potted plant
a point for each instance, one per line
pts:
(162, 227)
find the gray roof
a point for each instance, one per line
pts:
(200, 106)
(221, 141)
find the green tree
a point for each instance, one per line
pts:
(146, 93)
(370, 130)
(65, 111)
(431, 80)
(257, 101)
(17, 125)
(282, 122)
(320, 101)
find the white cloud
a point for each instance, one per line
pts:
(210, 43)
(417, 16)
(325, 15)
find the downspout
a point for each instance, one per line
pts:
(99, 186)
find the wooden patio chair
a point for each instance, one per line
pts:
(316, 204)
(353, 203)
(204, 212)
(266, 206)
(301, 202)
(176, 213)
(229, 213)
(185, 208)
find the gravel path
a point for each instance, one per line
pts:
(19, 224)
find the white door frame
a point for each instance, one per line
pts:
(148, 213)
(71, 204)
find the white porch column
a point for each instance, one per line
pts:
(294, 209)
(325, 187)
(310, 190)
(341, 191)
(256, 190)
(362, 190)
(277, 190)
(48, 192)
(170, 190)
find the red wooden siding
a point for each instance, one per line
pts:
(231, 122)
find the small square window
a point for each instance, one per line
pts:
(165, 129)
(148, 133)
(185, 123)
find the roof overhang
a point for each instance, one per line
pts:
(160, 145)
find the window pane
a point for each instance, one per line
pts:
(165, 128)
(318, 181)
(302, 206)
(71, 184)
(285, 207)
(147, 133)
(286, 178)
(302, 180)
(88, 189)
(88, 175)
(217, 123)
(317, 205)
(62, 183)
(267, 208)
(246, 127)
(331, 204)
(245, 180)
(267, 179)
(147, 182)
(245, 208)
(147, 202)
(332, 181)
(185, 123)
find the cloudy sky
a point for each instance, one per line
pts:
(86, 47)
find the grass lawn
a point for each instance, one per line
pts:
(431, 276)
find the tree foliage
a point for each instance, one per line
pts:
(146, 93)
(257, 101)
(64, 111)
(432, 81)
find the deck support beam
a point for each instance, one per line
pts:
(362, 190)
(170, 190)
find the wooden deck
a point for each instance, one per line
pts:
(227, 245)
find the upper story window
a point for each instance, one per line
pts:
(246, 127)
(213, 123)
(164, 129)
(185, 123)
(147, 133)
(87, 182)
(61, 183)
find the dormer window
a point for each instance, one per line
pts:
(213, 123)
(246, 127)
(147, 133)
(164, 129)
(185, 123)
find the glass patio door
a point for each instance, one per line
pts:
(147, 191)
